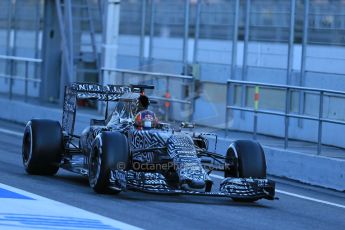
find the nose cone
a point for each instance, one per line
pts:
(198, 184)
(192, 175)
(192, 184)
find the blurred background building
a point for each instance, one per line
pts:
(285, 42)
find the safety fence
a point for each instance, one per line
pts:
(20, 78)
(176, 97)
(319, 99)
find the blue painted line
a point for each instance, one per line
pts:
(12, 195)
(49, 222)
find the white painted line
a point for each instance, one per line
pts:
(10, 132)
(38, 212)
(310, 198)
(297, 195)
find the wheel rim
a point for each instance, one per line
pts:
(95, 166)
(27, 147)
(231, 155)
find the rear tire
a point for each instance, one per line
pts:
(109, 151)
(42, 147)
(249, 162)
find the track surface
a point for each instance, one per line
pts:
(177, 212)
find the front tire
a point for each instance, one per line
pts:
(248, 161)
(42, 147)
(109, 151)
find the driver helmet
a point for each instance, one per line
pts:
(146, 119)
(143, 103)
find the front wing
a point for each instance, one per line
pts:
(238, 188)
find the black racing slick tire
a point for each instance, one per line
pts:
(250, 157)
(42, 147)
(249, 161)
(109, 151)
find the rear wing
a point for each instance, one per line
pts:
(99, 92)
(87, 91)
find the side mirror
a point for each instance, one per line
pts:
(187, 125)
(165, 126)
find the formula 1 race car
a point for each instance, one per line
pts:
(131, 150)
